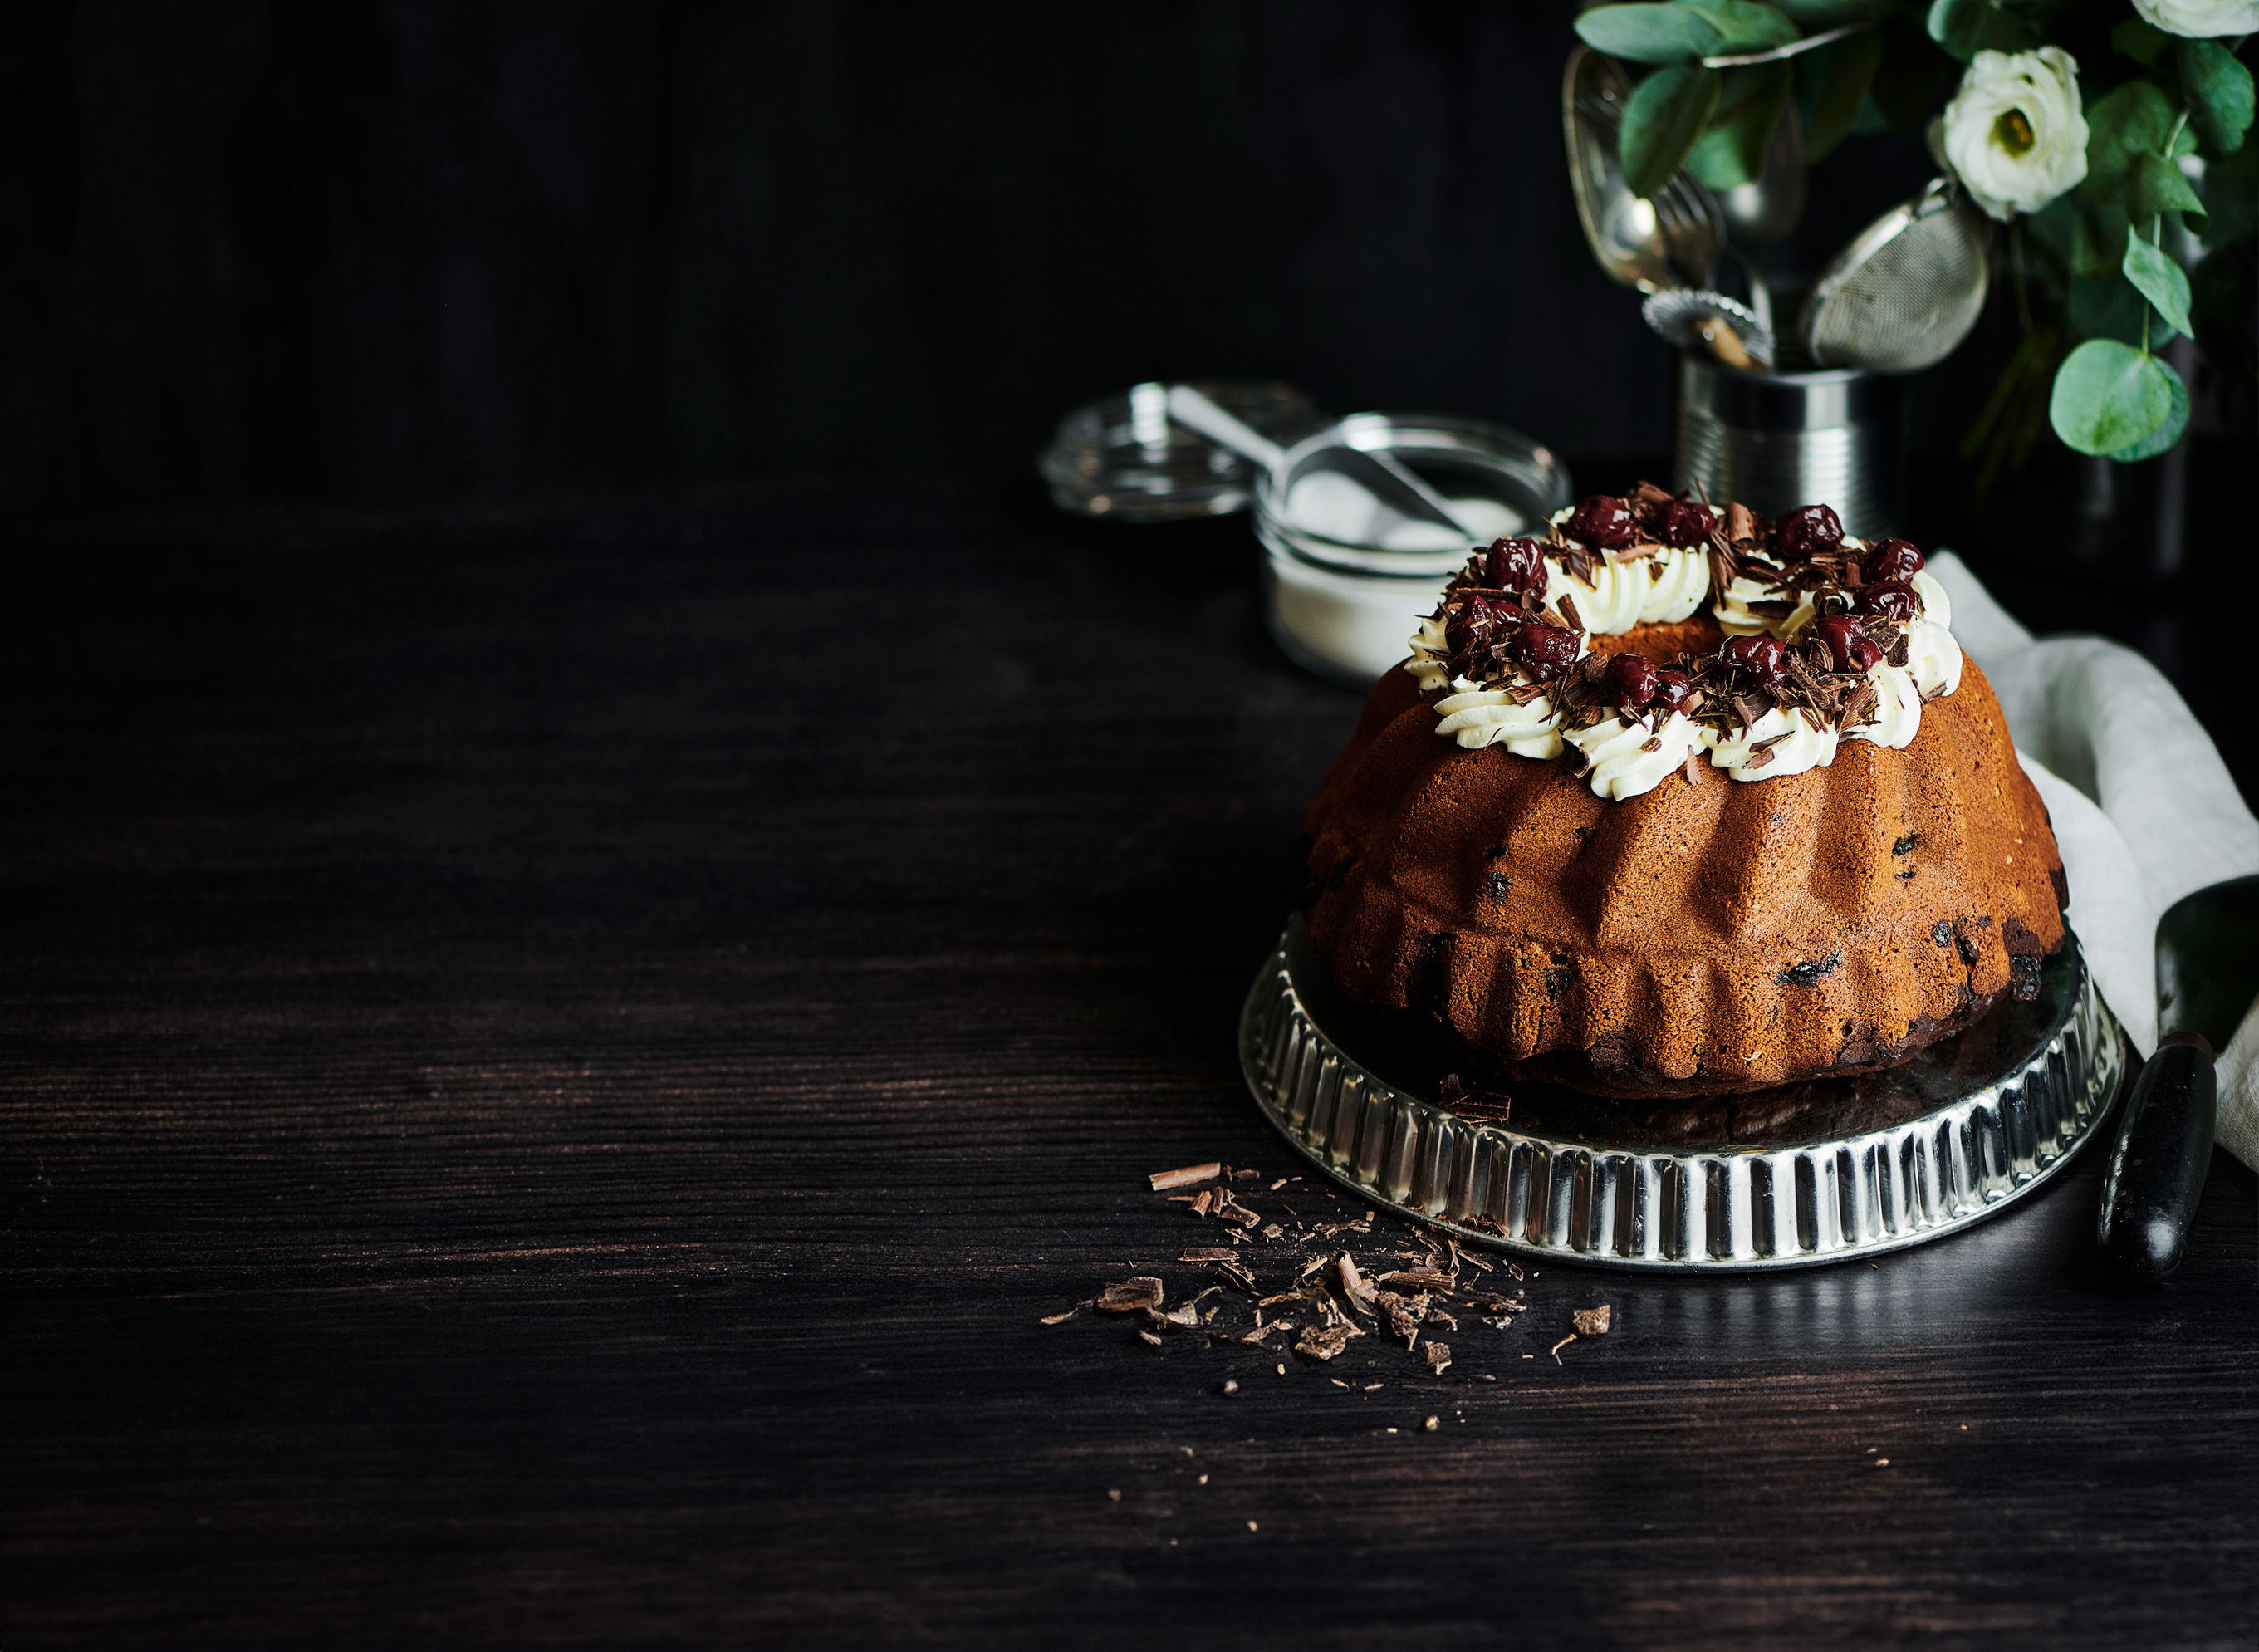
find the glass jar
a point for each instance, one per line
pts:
(1346, 581)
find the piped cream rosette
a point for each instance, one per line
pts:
(1659, 586)
(1932, 668)
(1626, 754)
(1478, 714)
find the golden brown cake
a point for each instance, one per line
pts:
(1574, 918)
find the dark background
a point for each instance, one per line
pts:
(377, 252)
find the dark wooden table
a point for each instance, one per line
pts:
(554, 1057)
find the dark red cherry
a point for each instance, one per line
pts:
(1516, 566)
(1891, 560)
(1893, 599)
(1759, 656)
(1807, 532)
(1544, 651)
(1629, 682)
(1849, 645)
(1604, 521)
(1476, 625)
(1670, 690)
(1684, 524)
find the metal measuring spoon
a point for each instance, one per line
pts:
(1907, 290)
(1670, 239)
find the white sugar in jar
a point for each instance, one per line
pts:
(1346, 578)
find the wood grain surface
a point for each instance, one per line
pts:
(552, 1058)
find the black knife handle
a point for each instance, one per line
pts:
(2157, 1169)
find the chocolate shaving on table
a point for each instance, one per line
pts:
(1163, 1180)
(1592, 1321)
(1130, 1295)
(1438, 1356)
(1315, 1343)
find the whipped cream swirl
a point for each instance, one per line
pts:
(1628, 755)
(1477, 714)
(1780, 742)
(1655, 588)
(1897, 716)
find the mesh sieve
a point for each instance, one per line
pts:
(1904, 294)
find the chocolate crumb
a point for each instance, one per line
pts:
(1592, 1321)
(1906, 844)
(1555, 1349)
(1942, 933)
(1438, 1356)
(1164, 1180)
(1811, 969)
(1131, 1294)
(1060, 1319)
(1148, 1336)
(1231, 1385)
(1432, 1424)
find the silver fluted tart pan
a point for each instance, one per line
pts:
(1816, 1173)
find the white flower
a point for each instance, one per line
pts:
(2013, 133)
(2200, 18)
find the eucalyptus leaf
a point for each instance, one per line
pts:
(2157, 186)
(1666, 114)
(2125, 132)
(2159, 278)
(1648, 34)
(1843, 72)
(1732, 152)
(1744, 25)
(2109, 397)
(2177, 419)
(2218, 92)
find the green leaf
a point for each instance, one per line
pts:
(2218, 92)
(1966, 27)
(2157, 186)
(2162, 280)
(1744, 26)
(1666, 114)
(1732, 152)
(2140, 41)
(1648, 34)
(2127, 136)
(2177, 419)
(1838, 77)
(2110, 309)
(2109, 397)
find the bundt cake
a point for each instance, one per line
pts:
(1591, 834)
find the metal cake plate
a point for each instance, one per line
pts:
(1816, 1173)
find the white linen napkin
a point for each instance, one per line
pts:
(2144, 810)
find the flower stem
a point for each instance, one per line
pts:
(1782, 54)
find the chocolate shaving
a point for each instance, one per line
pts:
(1592, 1321)
(1163, 1180)
(1438, 1356)
(1569, 611)
(1315, 1343)
(1131, 1295)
